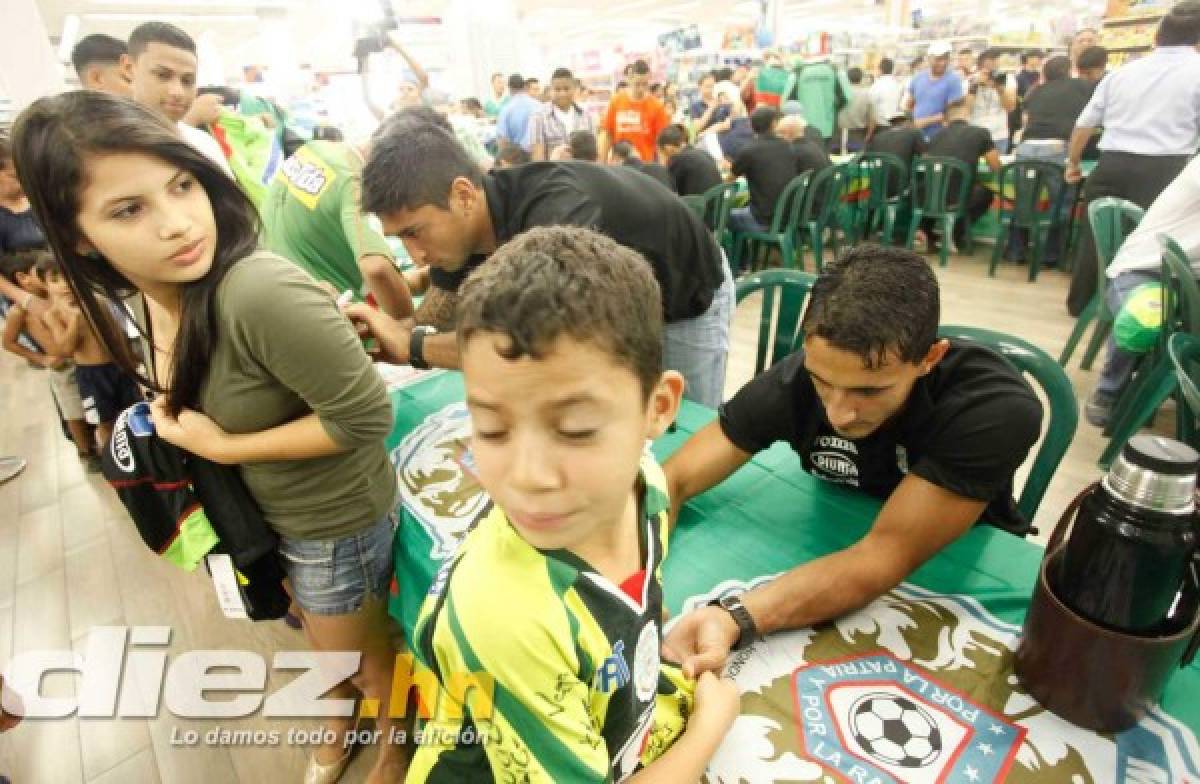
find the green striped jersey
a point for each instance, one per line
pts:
(579, 693)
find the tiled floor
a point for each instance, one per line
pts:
(71, 560)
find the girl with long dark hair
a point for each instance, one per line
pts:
(254, 364)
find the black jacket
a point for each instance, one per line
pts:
(165, 489)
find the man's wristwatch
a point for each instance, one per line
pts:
(416, 346)
(747, 631)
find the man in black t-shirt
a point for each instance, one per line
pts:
(968, 143)
(901, 139)
(768, 163)
(626, 155)
(428, 192)
(874, 400)
(693, 172)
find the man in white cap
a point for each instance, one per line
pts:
(932, 90)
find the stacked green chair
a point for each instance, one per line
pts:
(887, 192)
(1031, 198)
(934, 197)
(1155, 379)
(781, 234)
(1064, 408)
(1112, 220)
(718, 203)
(784, 294)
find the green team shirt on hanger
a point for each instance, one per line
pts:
(816, 90)
(312, 215)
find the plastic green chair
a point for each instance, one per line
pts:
(1064, 408)
(718, 203)
(934, 197)
(1184, 349)
(851, 212)
(819, 211)
(1155, 379)
(1112, 220)
(887, 183)
(784, 294)
(782, 232)
(1030, 183)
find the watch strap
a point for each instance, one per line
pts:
(416, 347)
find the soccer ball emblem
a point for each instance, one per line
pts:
(895, 730)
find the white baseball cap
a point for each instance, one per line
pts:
(939, 49)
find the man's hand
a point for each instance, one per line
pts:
(11, 708)
(701, 641)
(205, 110)
(1073, 174)
(191, 431)
(52, 362)
(391, 336)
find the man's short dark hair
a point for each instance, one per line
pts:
(724, 74)
(5, 146)
(583, 146)
(412, 165)
(621, 85)
(640, 68)
(673, 136)
(409, 117)
(97, 49)
(886, 66)
(472, 104)
(966, 50)
(987, 54)
(623, 151)
(515, 82)
(44, 264)
(562, 73)
(513, 155)
(1093, 57)
(1030, 54)
(855, 75)
(876, 300)
(764, 118)
(1056, 68)
(559, 281)
(159, 33)
(23, 261)
(1180, 27)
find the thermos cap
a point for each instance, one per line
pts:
(1155, 473)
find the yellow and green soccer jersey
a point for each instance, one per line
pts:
(578, 690)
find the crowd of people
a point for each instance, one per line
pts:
(557, 266)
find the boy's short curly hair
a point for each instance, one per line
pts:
(555, 281)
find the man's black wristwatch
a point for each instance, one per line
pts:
(416, 346)
(747, 631)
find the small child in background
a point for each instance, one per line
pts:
(27, 335)
(105, 388)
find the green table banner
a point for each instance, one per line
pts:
(916, 687)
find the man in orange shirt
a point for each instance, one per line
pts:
(637, 118)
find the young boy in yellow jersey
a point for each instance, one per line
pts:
(554, 600)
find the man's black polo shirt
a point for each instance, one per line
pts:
(616, 201)
(967, 426)
(693, 172)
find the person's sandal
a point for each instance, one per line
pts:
(317, 773)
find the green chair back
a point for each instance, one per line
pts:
(1064, 409)
(695, 202)
(1112, 220)
(823, 196)
(718, 203)
(887, 178)
(1031, 183)
(1184, 349)
(790, 205)
(1181, 294)
(784, 294)
(940, 185)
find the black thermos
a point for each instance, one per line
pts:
(1133, 539)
